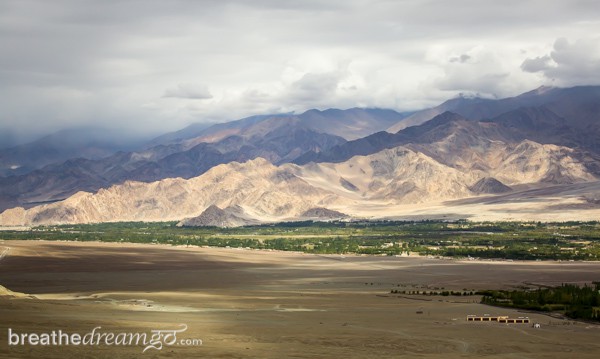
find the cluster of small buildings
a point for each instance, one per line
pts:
(499, 319)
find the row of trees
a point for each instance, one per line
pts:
(509, 240)
(572, 300)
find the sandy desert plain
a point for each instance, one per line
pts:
(267, 304)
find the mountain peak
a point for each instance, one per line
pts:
(544, 88)
(489, 185)
(214, 216)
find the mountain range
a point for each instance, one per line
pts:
(534, 156)
(186, 153)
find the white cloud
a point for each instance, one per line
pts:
(479, 69)
(314, 87)
(569, 63)
(134, 64)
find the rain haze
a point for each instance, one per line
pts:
(148, 67)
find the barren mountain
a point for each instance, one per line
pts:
(397, 175)
(349, 124)
(259, 190)
(213, 216)
(262, 189)
(470, 145)
(278, 140)
(510, 163)
(543, 138)
(320, 213)
(405, 175)
(441, 127)
(580, 105)
(489, 185)
(191, 152)
(465, 106)
(352, 123)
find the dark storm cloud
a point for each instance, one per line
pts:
(146, 65)
(536, 64)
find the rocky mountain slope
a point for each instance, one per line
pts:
(186, 153)
(320, 213)
(457, 141)
(260, 190)
(489, 185)
(352, 123)
(264, 191)
(270, 168)
(213, 216)
(278, 140)
(349, 124)
(580, 105)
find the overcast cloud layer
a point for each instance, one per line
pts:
(155, 66)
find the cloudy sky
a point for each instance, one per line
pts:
(152, 66)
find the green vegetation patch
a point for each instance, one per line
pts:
(459, 239)
(571, 300)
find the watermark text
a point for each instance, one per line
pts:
(155, 339)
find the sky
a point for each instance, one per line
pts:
(148, 66)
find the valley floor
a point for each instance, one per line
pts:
(261, 304)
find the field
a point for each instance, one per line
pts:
(271, 304)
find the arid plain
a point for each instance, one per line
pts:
(260, 304)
